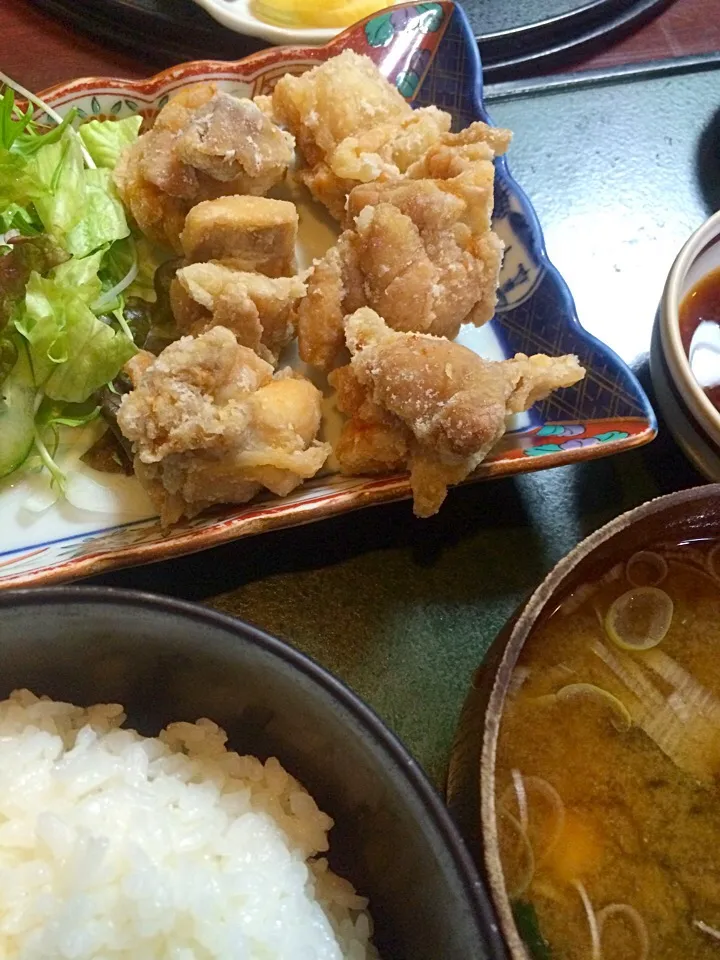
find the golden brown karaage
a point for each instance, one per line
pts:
(258, 233)
(352, 126)
(431, 405)
(419, 252)
(256, 308)
(211, 423)
(205, 143)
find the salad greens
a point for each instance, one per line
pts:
(68, 263)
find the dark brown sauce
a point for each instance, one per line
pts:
(700, 333)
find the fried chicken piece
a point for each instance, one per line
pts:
(256, 232)
(352, 126)
(336, 99)
(204, 144)
(210, 423)
(388, 149)
(326, 188)
(264, 102)
(429, 404)
(232, 140)
(256, 308)
(420, 252)
(136, 366)
(452, 153)
(159, 214)
(178, 111)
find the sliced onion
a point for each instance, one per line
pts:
(713, 562)
(577, 598)
(629, 673)
(687, 555)
(640, 618)
(589, 691)
(581, 594)
(697, 698)
(550, 795)
(595, 948)
(114, 494)
(706, 928)
(638, 924)
(656, 569)
(517, 886)
(521, 795)
(613, 574)
(687, 743)
(111, 295)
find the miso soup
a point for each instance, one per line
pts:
(608, 766)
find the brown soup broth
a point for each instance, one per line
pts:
(700, 333)
(582, 782)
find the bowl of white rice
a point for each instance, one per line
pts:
(177, 784)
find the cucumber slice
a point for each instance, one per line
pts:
(17, 414)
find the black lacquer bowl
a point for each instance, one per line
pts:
(166, 660)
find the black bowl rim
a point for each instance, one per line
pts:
(407, 767)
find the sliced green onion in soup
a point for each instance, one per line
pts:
(646, 569)
(539, 811)
(621, 718)
(713, 562)
(634, 921)
(516, 854)
(640, 618)
(706, 928)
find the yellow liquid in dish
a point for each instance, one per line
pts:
(315, 13)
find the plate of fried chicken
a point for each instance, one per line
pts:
(354, 303)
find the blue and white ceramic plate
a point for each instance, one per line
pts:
(428, 51)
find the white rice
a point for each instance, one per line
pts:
(116, 845)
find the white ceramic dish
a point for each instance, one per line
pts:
(604, 414)
(692, 418)
(237, 15)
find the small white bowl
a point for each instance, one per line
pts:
(691, 417)
(237, 15)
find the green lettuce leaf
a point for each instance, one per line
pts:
(60, 337)
(120, 258)
(103, 218)
(18, 260)
(59, 169)
(20, 218)
(79, 277)
(105, 140)
(77, 206)
(96, 352)
(42, 323)
(73, 353)
(18, 185)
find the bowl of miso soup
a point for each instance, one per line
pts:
(588, 760)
